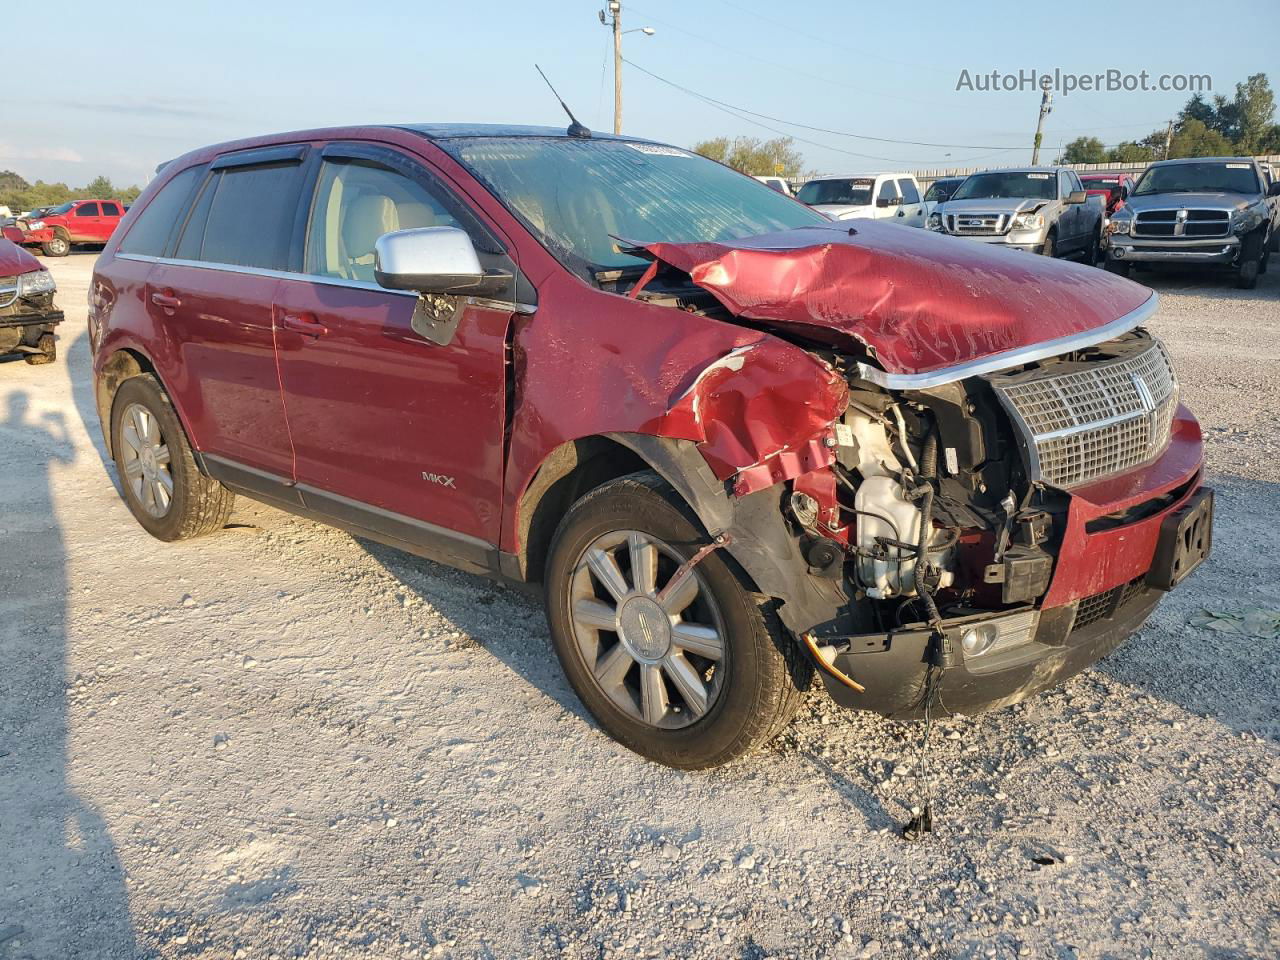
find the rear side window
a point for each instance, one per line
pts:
(245, 217)
(909, 192)
(110, 210)
(87, 210)
(149, 235)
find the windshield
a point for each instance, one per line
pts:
(60, 209)
(577, 196)
(941, 190)
(1038, 186)
(853, 192)
(1199, 178)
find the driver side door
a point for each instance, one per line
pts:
(391, 433)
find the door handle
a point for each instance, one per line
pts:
(902, 213)
(167, 301)
(304, 323)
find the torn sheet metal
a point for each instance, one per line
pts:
(916, 301)
(761, 414)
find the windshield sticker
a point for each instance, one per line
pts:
(1039, 176)
(656, 150)
(1237, 166)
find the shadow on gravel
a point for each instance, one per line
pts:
(508, 623)
(1225, 674)
(63, 894)
(80, 372)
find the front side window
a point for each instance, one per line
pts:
(579, 196)
(149, 235)
(886, 191)
(1013, 185)
(855, 191)
(87, 210)
(356, 204)
(247, 217)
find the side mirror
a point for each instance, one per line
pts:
(888, 201)
(440, 264)
(1077, 196)
(1274, 189)
(438, 260)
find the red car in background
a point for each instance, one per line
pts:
(1114, 188)
(76, 221)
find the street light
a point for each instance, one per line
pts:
(615, 21)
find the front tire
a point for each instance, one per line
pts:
(691, 672)
(48, 347)
(163, 488)
(1050, 246)
(59, 246)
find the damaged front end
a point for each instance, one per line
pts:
(1009, 514)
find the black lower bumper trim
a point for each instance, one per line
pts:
(894, 675)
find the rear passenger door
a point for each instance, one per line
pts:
(213, 297)
(109, 220)
(392, 433)
(911, 212)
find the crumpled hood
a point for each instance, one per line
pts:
(918, 301)
(838, 210)
(1178, 201)
(14, 260)
(993, 205)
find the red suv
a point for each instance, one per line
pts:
(76, 221)
(735, 442)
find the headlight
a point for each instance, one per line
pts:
(935, 221)
(1118, 225)
(31, 284)
(1028, 221)
(35, 225)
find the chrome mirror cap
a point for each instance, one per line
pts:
(427, 260)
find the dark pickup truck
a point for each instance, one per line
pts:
(1210, 210)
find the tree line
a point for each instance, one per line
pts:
(1243, 125)
(19, 195)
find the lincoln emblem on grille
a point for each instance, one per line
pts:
(1180, 223)
(1144, 396)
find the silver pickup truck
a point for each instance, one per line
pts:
(1201, 210)
(1037, 209)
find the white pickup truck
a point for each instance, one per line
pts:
(870, 196)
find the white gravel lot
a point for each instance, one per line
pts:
(281, 741)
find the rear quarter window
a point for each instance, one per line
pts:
(150, 233)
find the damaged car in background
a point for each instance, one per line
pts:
(734, 442)
(27, 312)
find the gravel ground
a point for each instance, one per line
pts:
(281, 741)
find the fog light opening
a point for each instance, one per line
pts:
(979, 639)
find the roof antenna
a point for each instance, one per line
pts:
(575, 128)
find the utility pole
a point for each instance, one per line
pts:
(1046, 107)
(1168, 140)
(615, 8)
(614, 20)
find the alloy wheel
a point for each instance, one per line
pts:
(649, 632)
(145, 459)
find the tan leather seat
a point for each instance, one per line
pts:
(368, 218)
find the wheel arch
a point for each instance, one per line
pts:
(125, 363)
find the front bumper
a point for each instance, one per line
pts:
(22, 327)
(1028, 241)
(1117, 557)
(28, 238)
(1136, 249)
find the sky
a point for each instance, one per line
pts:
(131, 85)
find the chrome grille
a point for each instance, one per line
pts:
(1095, 421)
(8, 290)
(1182, 223)
(977, 224)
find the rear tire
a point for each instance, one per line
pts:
(163, 488)
(59, 246)
(748, 675)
